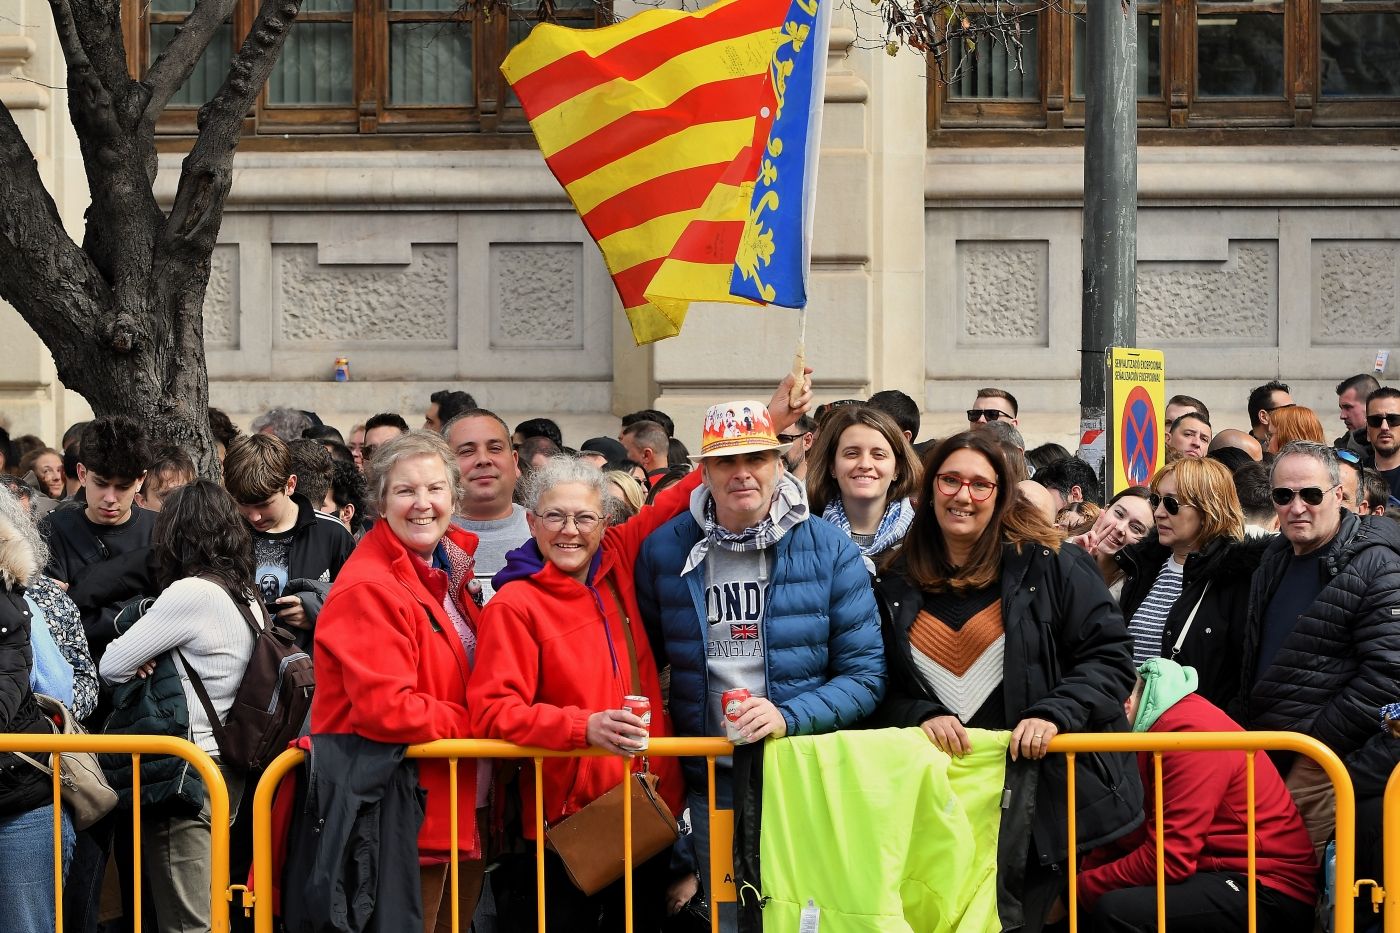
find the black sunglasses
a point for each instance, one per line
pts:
(991, 414)
(1169, 502)
(1349, 456)
(1392, 419)
(1310, 495)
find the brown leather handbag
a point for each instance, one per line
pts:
(589, 842)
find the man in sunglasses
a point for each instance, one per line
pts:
(1322, 638)
(1383, 431)
(993, 405)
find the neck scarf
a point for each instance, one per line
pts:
(789, 509)
(894, 524)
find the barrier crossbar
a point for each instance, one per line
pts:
(1251, 743)
(721, 856)
(136, 746)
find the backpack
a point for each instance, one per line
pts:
(272, 700)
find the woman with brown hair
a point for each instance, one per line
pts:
(1126, 521)
(1294, 423)
(861, 472)
(989, 623)
(1187, 583)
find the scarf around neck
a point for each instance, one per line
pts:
(894, 524)
(788, 510)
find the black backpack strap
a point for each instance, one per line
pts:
(195, 681)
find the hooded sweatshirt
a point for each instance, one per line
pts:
(1204, 806)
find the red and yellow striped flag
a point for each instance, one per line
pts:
(655, 127)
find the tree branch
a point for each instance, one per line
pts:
(90, 101)
(208, 170)
(49, 280)
(172, 68)
(99, 28)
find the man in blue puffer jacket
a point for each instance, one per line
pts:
(748, 590)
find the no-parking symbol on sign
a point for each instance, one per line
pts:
(1138, 380)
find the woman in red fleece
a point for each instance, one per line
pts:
(556, 649)
(1204, 830)
(394, 648)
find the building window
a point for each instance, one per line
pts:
(364, 67)
(1200, 63)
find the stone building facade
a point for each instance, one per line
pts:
(940, 264)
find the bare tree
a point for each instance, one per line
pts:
(122, 314)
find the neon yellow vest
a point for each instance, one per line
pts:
(882, 831)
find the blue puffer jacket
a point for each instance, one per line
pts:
(825, 657)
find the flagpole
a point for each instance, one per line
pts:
(799, 363)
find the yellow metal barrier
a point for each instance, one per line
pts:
(136, 746)
(721, 853)
(1390, 820)
(1251, 743)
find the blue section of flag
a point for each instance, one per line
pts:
(774, 259)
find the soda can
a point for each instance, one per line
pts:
(342, 369)
(730, 701)
(641, 708)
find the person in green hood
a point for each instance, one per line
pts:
(1204, 830)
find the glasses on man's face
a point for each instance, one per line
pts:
(367, 451)
(950, 484)
(789, 438)
(1311, 495)
(1391, 419)
(990, 414)
(1170, 502)
(585, 522)
(1284, 405)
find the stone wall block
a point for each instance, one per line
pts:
(221, 299)
(537, 295)
(1003, 293)
(1229, 304)
(1356, 291)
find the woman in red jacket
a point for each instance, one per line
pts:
(395, 645)
(557, 646)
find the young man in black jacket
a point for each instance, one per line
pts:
(298, 550)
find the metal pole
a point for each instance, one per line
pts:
(1110, 208)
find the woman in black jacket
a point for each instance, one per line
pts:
(1186, 594)
(990, 624)
(26, 793)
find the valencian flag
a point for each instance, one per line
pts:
(687, 142)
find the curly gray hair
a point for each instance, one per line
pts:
(563, 470)
(23, 551)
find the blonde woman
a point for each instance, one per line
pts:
(1186, 591)
(626, 493)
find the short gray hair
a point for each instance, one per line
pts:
(286, 423)
(1320, 452)
(563, 470)
(23, 551)
(418, 443)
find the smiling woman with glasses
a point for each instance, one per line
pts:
(1186, 592)
(991, 624)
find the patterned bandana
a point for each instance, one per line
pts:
(788, 510)
(899, 515)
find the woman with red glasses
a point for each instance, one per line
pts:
(1186, 589)
(989, 623)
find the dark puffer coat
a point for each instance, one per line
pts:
(154, 705)
(1217, 577)
(23, 787)
(1069, 660)
(1341, 662)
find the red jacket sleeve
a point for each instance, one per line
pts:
(505, 681)
(1193, 785)
(372, 637)
(627, 538)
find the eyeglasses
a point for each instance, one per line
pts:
(367, 451)
(950, 484)
(1284, 405)
(1310, 495)
(1349, 456)
(791, 438)
(991, 414)
(1391, 419)
(585, 522)
(1170, 502)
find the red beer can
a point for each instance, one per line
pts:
(641, 708)
(730, 701)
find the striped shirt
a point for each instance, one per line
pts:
(1151, 617)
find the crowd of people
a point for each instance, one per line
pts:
(469, 580)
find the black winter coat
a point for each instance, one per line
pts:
(320, 547)
(352, 853)
(23, 787)
(1069, 660)
(1218, 578)
(1341, 662)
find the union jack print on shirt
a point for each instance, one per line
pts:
(743, 631)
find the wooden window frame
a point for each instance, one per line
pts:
(1180, 106)
(369, 113)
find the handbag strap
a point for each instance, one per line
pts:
(627, 633)
(1180, 639)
